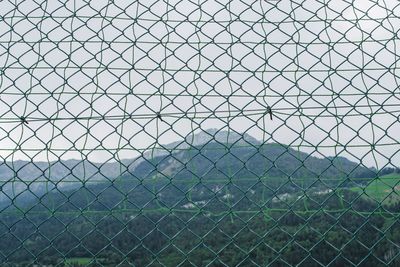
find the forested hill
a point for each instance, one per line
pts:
(210, 154)
(213, 169)
(248, 160)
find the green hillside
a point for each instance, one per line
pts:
(383, 189)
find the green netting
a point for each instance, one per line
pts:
(199, 133)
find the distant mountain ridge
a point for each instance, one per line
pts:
(214, 174)
(236, 160)
(210, 154)
(19, 176)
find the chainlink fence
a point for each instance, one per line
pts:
(199, 133)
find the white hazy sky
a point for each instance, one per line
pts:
(90, 76)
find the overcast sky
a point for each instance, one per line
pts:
(90, 77)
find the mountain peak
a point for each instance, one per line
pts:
(215, 135)
(203, 137)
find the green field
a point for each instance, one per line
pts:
(383, 189)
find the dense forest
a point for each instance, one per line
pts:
(215, 204)
(356, 232)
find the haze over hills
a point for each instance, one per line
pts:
(27, 179)
(211, 154)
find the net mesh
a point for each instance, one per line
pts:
(199, 133)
